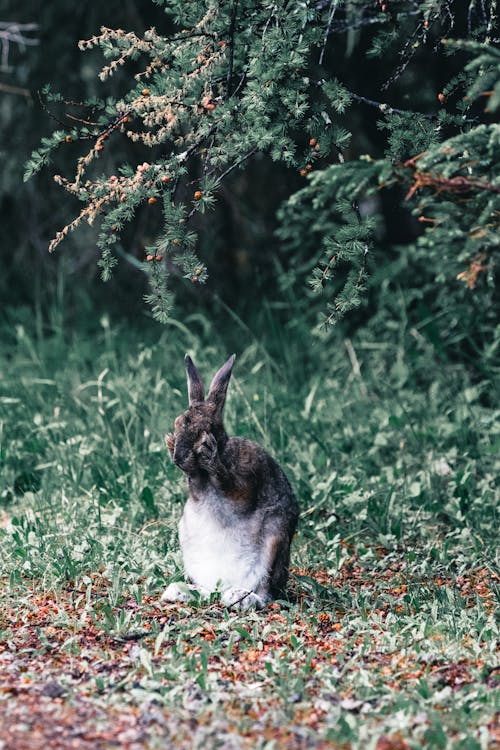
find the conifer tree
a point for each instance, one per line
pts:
(240, 77)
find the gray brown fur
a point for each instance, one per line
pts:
(238, 494)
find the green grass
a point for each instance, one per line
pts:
(390, 637)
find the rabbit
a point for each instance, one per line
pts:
(241, 514)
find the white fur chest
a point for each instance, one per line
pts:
(218, 552)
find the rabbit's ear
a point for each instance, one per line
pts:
(218, 386)
(196, 391)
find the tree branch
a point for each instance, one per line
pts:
(15, 90)
(12, 32)
(232, 29)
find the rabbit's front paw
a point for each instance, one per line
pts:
(177, 592)
(241, 599)
(206, 450)
(170, 443)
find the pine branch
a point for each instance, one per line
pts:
(331, 13)
(389, 109)
(232, 31)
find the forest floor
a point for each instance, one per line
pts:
(390, 637)
(298, 676)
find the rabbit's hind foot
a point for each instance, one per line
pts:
(242, 599)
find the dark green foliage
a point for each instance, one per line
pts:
(236, 79)
(350, 245)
